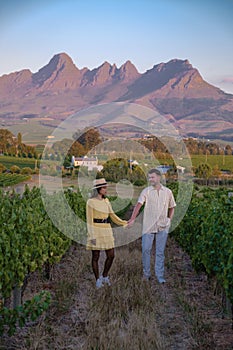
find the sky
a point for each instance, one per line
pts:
(146, 32)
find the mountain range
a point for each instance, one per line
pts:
(175, 89)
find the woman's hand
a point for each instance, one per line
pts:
(130, 222)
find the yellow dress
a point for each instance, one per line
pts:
(100, 235)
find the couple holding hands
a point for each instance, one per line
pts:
(157, 215)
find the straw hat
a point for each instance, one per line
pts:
(97, 183)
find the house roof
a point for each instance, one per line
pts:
(85, 159)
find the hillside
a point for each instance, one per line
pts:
(175, 89)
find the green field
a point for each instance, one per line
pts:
(20, 162)
(33, 132)
(12, 179)
(223, 162)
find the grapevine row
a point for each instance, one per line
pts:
(28, 238)
(206, 234)
(12, 179)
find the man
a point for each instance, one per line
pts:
(158, 212)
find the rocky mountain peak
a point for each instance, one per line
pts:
(97, 76)
(128, 71)
(61, 59)
(107, 73)
(15, 82)
(60, 68)
(173, 66)
(173, 88)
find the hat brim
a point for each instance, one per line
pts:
(100, 185)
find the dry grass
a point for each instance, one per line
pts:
(124, 316)
(131, 314)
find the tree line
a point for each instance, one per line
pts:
(10, 145)
(90, 138)
(194, 146)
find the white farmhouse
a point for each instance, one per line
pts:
(90, 163)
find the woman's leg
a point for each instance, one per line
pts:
(95, 263)
(109, 260)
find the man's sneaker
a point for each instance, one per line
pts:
(106, 280)
(161, 280)
(99, 282)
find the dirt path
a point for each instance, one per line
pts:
(131, 314)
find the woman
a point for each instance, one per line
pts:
(100, 235)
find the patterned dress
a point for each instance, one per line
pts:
(100, 235)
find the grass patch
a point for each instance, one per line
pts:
(125, 316)
(33, 131)
(223, 162)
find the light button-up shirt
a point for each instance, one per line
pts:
(157, 203)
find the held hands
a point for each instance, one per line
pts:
(130, 222)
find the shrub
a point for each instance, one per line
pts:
(14, 169)
(2, 168)
(26, 171)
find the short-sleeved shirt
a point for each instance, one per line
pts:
(157, 203)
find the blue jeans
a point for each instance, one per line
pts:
(147, 242)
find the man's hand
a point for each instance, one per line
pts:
(130, 222)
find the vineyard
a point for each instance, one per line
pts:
(205, 233)
(9, 161)
(12, 179)
(30, 242)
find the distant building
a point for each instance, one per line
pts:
(180, 169)
(148, 137)
(90, 163)
(163, 168)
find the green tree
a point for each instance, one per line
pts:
(2, 168)
(118, 169)
(138, 177)
(67, 161)
(15, 169)
(89, 138)
(203, 171)
(7, 140)
(228, 150)
(19, 138)
(77, 149)
(26, 171)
